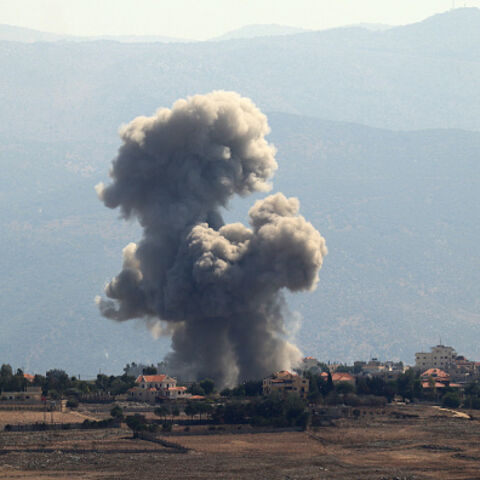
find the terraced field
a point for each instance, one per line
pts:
(398, 442)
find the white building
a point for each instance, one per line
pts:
(440, 356)
(150, 388)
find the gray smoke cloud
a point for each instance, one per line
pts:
(215, 288)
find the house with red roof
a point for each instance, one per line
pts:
(150, 388)
(29, 377)
(435, 378)
(338, 377)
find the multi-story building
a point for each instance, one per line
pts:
(285, 382)
(150, 388)
(441, 356)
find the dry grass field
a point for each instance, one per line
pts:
(15, 417)
(426, 444)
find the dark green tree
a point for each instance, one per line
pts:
(117, 412)
(253, 388)
(451, 400)
(208, 386)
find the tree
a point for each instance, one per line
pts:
(150, 370)
(326, 386)
(58, 380)
(196, 389)
(345, 388)
(117, 412)
(6, 372)
(226, 392)
(451, 400)
(162, 411)
(409, 385)
(72, 402)
(136, 423)
(191, 409)
(253, 388)
(208, 385)
(204, 407)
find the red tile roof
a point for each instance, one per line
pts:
(434, 372)
(342, 377)
(29, 377)
(150, 378)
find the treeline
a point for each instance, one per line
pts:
(11, 381)
(57, 383)
(274, 410)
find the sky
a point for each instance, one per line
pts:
(203, 19)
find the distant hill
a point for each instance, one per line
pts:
(13, 33)
(372, 26)
(252, 31)
(410, 77)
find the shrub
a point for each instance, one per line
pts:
(167, 427)
(116, 412)
(72, 402)
(451, 400)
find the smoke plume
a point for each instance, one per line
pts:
(216, 288)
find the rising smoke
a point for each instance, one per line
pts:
(215, 288)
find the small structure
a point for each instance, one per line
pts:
(31, 395)
(285, 382)
(30, 399)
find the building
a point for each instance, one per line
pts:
(177, 393)
(465, 371)
(29, 377)
(339, 377)
(309, 364)
(150, 388)
(31, 395)
(435, 378)
(285, 382)
(441, 356)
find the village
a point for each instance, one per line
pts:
(440, 375)
(373, 419)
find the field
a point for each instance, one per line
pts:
(16, 417)
(399, 442)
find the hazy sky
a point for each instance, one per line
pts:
(202, 19)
